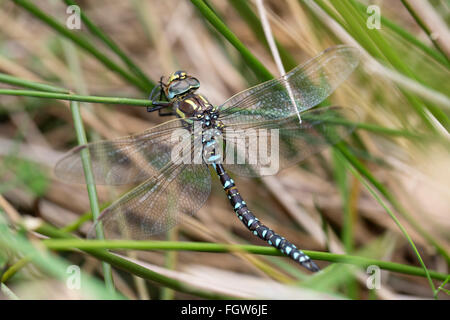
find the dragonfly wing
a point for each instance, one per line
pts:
(124, 160)
(302, 88)
(158, 204)
(288, 142)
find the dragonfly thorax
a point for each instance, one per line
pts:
(180, 90)
(198, 107)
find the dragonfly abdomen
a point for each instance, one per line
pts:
(256, 227)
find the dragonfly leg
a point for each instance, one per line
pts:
(153, 93)
(169, 113)
(256, 227)
(160, 105)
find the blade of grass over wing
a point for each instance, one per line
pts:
(245, 11)
(69, 244)
(95, 30)
(90, 183)
(170, 263)
(83, 43)
(144, 103)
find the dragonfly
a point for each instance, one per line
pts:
(170, 188)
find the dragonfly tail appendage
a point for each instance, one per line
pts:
(256, 227)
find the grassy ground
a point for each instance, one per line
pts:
(380, 199)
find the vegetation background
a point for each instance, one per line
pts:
(381, 198)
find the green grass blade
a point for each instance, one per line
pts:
(71, 243)
(407, 36)
(15, 81)
(49, 264)
(219, 25)
(90, 183)
(352, 20)
(252, 20)
(113, 46)
(399, 225)
(144, 103)
(76, 97)
(129, 266)
(441, 288)
(251, 60)
(384, 191)
(342, 181)
(424, 27)
(377, 46)
(12, 270)
(83, 43)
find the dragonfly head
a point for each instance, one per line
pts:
(181, 83)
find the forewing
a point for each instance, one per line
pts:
(302, 88)
(125, 160)
(157, 204)
(288, 142)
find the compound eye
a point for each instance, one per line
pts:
(177, 88)
(193, 82)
